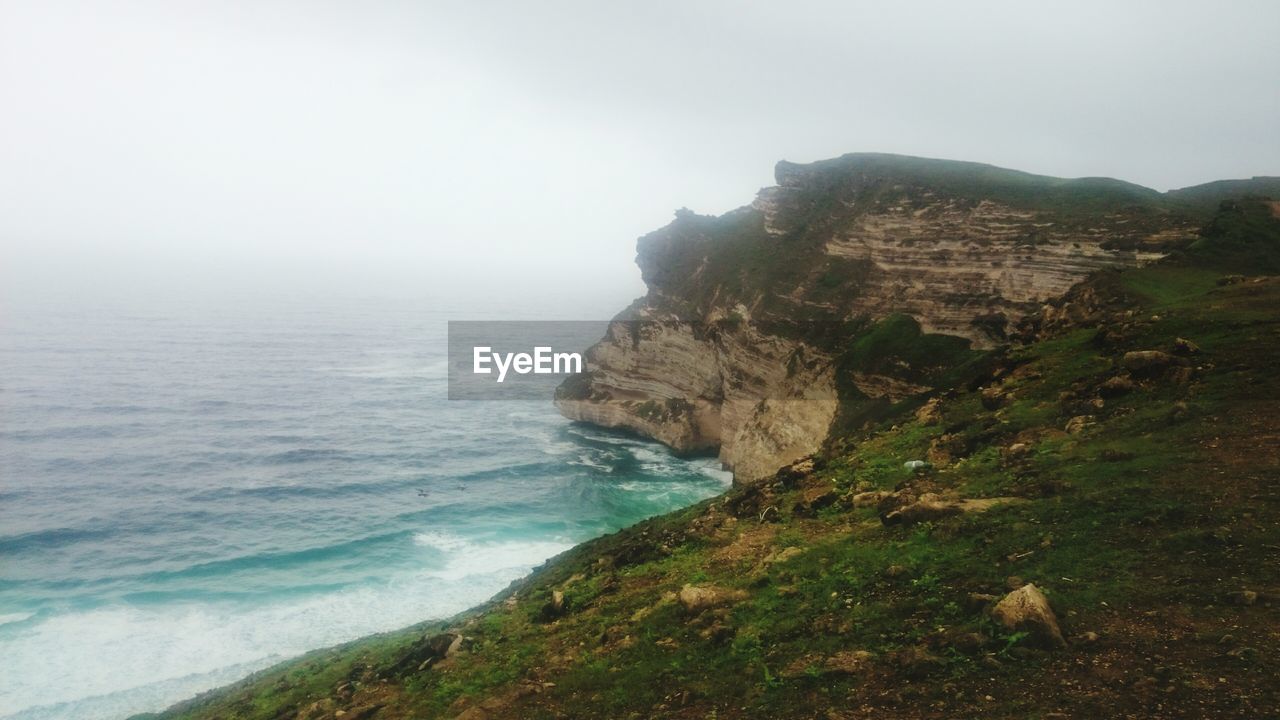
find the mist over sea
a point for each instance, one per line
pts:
(191, 493)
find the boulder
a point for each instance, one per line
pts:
(906, 508)
(426, 652)
(1147, 361)
(1116, 386)
(696, 598)
(929, 507)
(553, 608)
(1027, 610)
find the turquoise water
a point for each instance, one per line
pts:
(190, 494)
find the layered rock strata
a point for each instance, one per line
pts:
(732, 349)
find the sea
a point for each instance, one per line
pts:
(193, 491)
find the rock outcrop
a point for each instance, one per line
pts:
(745, 342)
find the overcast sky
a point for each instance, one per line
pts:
(471, 148)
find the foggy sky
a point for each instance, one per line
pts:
(469, 149)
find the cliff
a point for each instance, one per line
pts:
(1084, 527)
(741, 345)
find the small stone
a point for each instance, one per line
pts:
(1183, 346)
(1027, 610)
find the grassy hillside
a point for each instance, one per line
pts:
(1139, 492)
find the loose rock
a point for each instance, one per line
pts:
(1116, 386)
(1027, 610)
(869, 498)
(553, 608)
(1147, 360)
(696, 598)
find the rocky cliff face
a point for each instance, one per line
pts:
(762, 325)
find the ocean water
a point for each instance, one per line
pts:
(191, 493)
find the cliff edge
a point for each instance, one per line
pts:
(742, 345)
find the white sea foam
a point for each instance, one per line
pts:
(118, 660)
(585, 460)
(441, 540)
(469, 559)
(713, 470)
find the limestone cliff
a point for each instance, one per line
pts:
(743, 341)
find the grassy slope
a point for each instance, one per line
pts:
(1138, 529)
